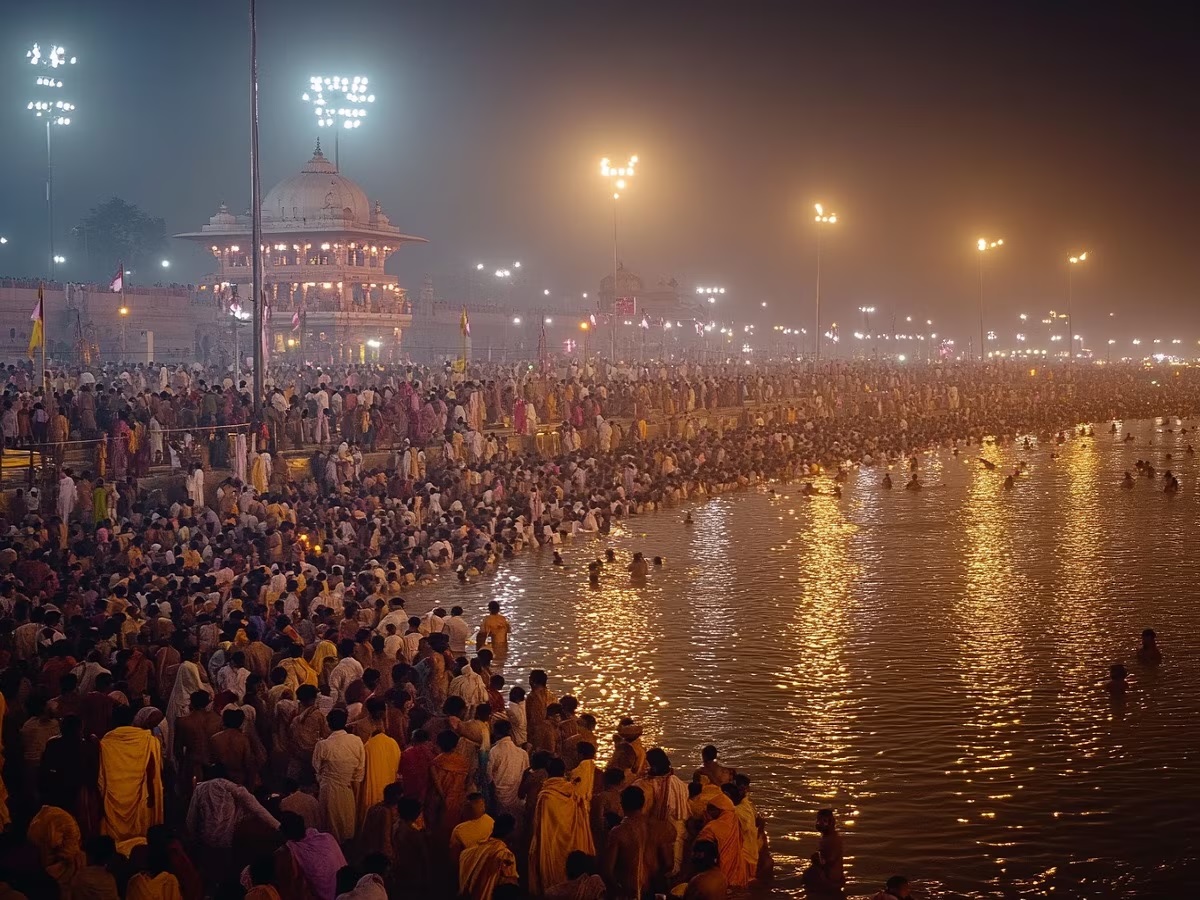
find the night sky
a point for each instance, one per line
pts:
(925, 126)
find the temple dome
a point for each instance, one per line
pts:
(317, 194)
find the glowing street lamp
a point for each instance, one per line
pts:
(1072, 262)
(339, 102)
(49, 105)
(866, 311)
(618, 180)
(166, 264)
(823, 219)
(983, 245)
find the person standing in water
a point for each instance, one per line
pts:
(826, 876)
(1149, 654)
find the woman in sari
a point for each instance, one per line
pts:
(447, 793)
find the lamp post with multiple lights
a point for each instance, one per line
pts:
(822, 219)
(1072, 262)
(866, 311)
(616, 176)
(339, 103)
(983, 245)
(50, 106)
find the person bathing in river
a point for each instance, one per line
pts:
(639, 568)
(913, 484)
(1149, 654)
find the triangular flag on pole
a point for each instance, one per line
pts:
(118, 281)
(38, 335)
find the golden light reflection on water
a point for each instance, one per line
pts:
(1080, 533)
(994, 663)
(817, 689)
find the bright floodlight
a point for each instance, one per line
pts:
(3, 240)
(338, 100)
(53, 108)
(166, 264)
(618, 174)
(822, 217)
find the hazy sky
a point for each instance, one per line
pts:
(923, 125)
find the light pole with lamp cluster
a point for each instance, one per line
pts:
(1072, 262)
(983, 245)
(822, 219)
(50, 106)
(616, 176)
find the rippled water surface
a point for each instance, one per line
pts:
(929, 664)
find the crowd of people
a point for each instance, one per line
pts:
(220, 692)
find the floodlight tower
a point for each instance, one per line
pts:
(49, 105)
(339, 102)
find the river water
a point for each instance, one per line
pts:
(929, 664)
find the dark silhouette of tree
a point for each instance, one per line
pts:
(118, 232)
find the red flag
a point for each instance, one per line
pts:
(118, 281)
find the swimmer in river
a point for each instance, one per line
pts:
(912, 464)
(610, 555)
(594, 571)
(808, 490)
(658, 561)
(1149, 654)
(987, 464)
(887, 481)
(1172, 485)
(1008, 482)
(1127, 482)
(841, 475)
(558, 560)
(1028, 445)
(837, 491)
(1091, 432)
(1118, 679)
(1128, 436)
(638, 568)
(913, 484)
(1113, 430)
(687, 519)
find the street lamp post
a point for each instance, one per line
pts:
(822, 219)
(616, 176)
(55, 112)
(344, 108)
(124, 313)
(983, 245)
(1072, 262)
(866, 311)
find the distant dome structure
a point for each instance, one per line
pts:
(628, 283)
(324, 254)
(317, 193)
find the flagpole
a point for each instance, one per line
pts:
(45, 382)
(256, 222)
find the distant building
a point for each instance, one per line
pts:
(324, 250)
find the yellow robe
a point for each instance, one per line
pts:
(323, 651)
(382, 765)
(55, 833)
(484, 866)
(163, 886)
(258, 474)
(560, 825)
(130, 782)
